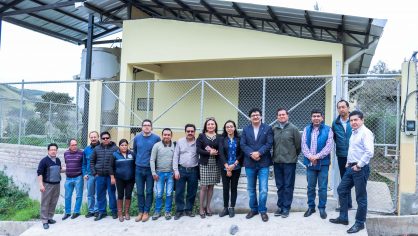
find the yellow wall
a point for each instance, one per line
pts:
(182, 50)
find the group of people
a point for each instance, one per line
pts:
(207, 159)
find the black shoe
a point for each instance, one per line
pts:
(90, 214)
(279, 212)
(251, 214)
(178, 215)
(51, 221)
(75, 215)
(355, 228)
(66, 216)
(190, 214)
(100, 216)
(285, 214)
(264, 217)
(338, 221)
(322, 213)
(309, 212)
(231, 211)
(96, 214)
(114, 215)
(224, 212)
(46, 226)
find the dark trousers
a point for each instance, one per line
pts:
(342, 161)
(124, 188)
(143, 179)
(358, 179)
(102, 185)
(189, 177)
(284, 174)
(49, 200)
(230, 183)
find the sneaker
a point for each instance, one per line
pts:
(51, 221)
(285, 214)
(114, 215)
(224, 212)
(96, 214)
(156, 216)
(231, 212)
(167, 216)
(279, 212)
(46, 226)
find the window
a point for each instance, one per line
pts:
(142, 104)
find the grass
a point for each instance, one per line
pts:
(15, 203)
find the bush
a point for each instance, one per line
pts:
(15, 203)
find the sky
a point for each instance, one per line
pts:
(30, 56)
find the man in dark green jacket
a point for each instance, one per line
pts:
(286, 149)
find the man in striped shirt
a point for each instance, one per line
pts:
(317, 143)
(73, 160)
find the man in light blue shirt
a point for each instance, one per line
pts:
(360, 151)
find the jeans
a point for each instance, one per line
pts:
(189, 177)
(70, 184)
(320, 177)
(358, 179)
(91, 194)
(230, 183)
(263, 175)
(102, 185)
(143, 179)
(165, 179)
(342, 161)
(284, 174)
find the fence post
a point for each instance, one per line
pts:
(148, 97)
(202, 96)
(49, 120)
(263, 109)
(21, 112)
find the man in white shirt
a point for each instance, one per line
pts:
(360, 151)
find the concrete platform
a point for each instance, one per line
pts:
(295, 224)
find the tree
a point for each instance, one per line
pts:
(55, 109)
(382, 68)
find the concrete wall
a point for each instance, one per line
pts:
(21, 162)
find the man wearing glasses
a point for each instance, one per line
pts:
(101, 165)
(143, 144)
(186, 170)
(256, 143)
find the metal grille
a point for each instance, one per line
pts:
(378, 97)
(33, 116)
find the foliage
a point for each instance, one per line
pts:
(35, 126)
(382, 68)
(15, 204)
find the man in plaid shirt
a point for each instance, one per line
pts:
(317, 143)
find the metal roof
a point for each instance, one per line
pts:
(68, 20)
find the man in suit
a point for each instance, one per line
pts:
(256, 143)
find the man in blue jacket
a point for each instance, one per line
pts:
(256, 143)
(316, 147)
(92, 206)
(342, 133)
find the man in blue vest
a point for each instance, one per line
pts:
(316, 147)
(342, 133)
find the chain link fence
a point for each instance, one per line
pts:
(38, 113)
(378, 97)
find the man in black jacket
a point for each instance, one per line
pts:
(101, 165)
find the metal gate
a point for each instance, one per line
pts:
(378, 97)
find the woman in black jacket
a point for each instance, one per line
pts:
(231, 157)
(124, 163)
(207, 145)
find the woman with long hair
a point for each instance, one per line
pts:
(231, 158)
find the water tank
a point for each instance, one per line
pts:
(105, 66)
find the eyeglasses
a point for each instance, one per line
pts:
(105, 138)
(255, 115)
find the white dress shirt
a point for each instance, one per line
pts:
(361, 147)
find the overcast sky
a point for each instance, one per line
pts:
(31, 56)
